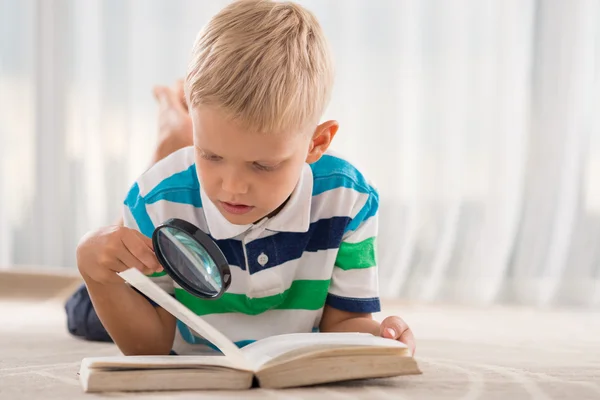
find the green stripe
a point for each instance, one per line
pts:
(157, 274)
(302, 295)
(356, 255)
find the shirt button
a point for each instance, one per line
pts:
(263, 259)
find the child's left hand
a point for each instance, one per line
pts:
(395, 328)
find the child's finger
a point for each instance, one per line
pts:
(137, 245)
(147, 241)
(396, 328)
(408, 339)
(128, 260)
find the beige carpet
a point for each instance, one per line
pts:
(497, 353)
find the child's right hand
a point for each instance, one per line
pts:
(103, 253)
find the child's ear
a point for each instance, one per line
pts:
(321, 140)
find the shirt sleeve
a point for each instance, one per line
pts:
(135, 216)
(354, 285)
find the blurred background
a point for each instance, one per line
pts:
(478, 120)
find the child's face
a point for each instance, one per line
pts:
(247, 176)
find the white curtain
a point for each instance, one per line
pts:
(479, 121)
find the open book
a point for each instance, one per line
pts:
(280, 361)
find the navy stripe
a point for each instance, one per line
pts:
(136, 205)
(351, 304)
(331, 172)
(287, 246)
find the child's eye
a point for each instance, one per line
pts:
(262, 167)
(211, 157)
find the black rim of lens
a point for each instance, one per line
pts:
(207, 243)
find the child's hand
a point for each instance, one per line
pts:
(174, 122)
(101, 254)
(395, 328)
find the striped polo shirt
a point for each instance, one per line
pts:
(319, 249)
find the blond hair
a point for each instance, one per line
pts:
(266, 64)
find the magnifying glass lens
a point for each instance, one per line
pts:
(190, 260)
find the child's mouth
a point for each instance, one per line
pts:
(237, 209)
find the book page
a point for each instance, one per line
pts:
(145, 285)
(157, 362)
(264, 350)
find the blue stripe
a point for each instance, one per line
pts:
(331, 172)
(367, 211)
(184, 196)
(350, 304)
(182, 187)
(136, 205)
(286, 246)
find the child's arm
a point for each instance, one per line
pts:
(134, 324)
(354, 289)
(334, 320)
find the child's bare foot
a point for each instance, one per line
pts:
(174, 122)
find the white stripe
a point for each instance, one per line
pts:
(340, 202)
(366, 230)
(168, 166)
(163, 210)
(311, 266)
(275, 280)
(356, 283)
(128, 219)
(255, 327)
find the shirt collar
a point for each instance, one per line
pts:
(218, 226)
(293, 217)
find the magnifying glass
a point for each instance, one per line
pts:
(191, 258)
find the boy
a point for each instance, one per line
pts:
(297, 225)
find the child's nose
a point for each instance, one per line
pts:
(234, 183)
